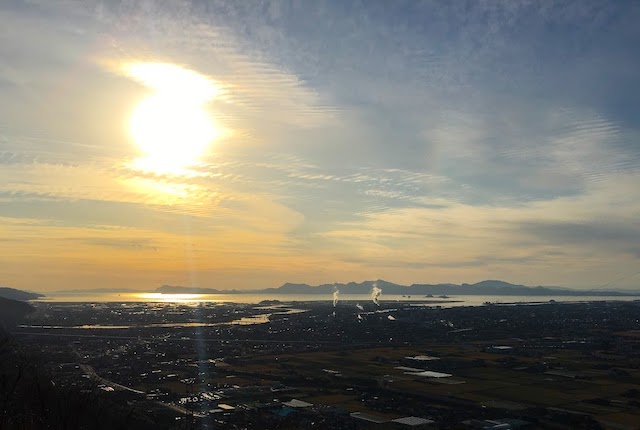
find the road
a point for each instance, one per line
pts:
(91, 372)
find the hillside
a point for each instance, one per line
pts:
(12, 311)
(13, 294)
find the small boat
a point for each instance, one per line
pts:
(444, 296)
(429, 295)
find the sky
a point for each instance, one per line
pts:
(228, 144)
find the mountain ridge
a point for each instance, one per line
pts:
(486, 287)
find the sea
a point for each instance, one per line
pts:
(449, 301)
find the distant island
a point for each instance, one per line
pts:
(13, 294)
(489, 288)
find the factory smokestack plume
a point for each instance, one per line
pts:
(375, 294)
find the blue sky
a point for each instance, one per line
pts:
(412, 141)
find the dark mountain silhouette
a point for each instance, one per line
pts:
(488, 287)
(12, 312)
(13, 294)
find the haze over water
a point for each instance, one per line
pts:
(345, 299)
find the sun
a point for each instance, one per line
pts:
(171, 126)
(172, 134)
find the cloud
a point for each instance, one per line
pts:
(139, 244)
(543, 234)
(254, 89)
(610, 236)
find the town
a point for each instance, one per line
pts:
(348, 366)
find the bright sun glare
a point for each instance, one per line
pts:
(171, 126)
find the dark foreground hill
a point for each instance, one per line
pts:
(12, 311)
(31, 399)
(13, 294)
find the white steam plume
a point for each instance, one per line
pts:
(336, 294)
(375, 294)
